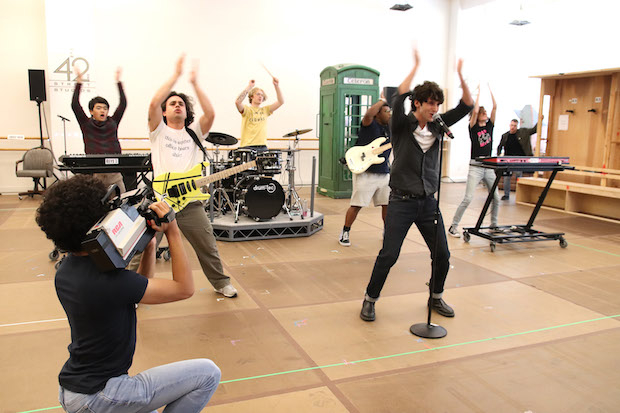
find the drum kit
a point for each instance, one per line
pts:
(254, 192)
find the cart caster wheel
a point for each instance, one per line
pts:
(166, 255)
(57, 265)
(54, 255)
(20, 197)
(492, 245)
(466, 236)
(563, 243)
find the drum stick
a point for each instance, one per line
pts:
(265, 67)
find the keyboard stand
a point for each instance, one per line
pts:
(504, 234)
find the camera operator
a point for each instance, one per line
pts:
(101, 312)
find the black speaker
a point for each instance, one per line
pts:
(390, 93)
(36, 79)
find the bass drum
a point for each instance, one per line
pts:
(262, 198)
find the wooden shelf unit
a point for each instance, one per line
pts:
(583, 123)
(573, 197)
(590, 103)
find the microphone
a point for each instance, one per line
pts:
(443, 125)
(63, 118)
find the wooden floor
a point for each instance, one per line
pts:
(536, 330)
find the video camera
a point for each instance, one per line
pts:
(123, 232)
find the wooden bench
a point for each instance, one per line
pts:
(572, 197)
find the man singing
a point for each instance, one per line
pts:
(414, 179)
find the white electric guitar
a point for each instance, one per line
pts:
(359, 158)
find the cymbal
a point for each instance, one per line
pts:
(218, 138)
(296, 132)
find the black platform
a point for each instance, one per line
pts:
(247, 229)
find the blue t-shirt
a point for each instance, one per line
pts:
(369, 133)
(102, 315)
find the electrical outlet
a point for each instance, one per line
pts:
(18, 137)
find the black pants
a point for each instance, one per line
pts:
(402, 212)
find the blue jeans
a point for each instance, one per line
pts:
(184, 386)
(401, 214)
(474, 176)
(507, 182)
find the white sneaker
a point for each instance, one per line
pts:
(344, 239)
(454, 232)
(227, 291)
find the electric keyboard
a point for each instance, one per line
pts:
(102, 163)
(495, 160)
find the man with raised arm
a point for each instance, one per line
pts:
(481, 136)
(373, 183)
(254, 116)
(414, 178)
(100, 307)
(171, 117)
(100, 131)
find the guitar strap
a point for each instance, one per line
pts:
(197, 142)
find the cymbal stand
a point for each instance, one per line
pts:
(221, 198)
(292, 203)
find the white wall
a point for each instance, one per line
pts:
(564, 36)
(23, 47)
(295, 39)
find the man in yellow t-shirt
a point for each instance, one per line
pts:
(254, 117)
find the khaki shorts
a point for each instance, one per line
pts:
(370, 186)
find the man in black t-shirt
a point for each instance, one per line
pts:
(372, 184)
(516, 142)
(481, 136)
(100, 307)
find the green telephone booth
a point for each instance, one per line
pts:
(347, 91)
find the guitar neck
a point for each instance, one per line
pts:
(381, 149)
(225, 173)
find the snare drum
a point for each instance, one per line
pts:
(270, 161)
(262, 198)
(242, 155)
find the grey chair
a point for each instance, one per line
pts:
(38, 164)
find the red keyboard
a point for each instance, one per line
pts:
(554, 160)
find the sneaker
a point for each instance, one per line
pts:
(344, 239)
(440, 306)
(505, 198)
(454, 232)
(368, 311)
(227, 291)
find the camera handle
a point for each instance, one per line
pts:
(108, 195)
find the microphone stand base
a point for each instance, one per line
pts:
(427, 330)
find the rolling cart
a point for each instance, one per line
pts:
(504, 166)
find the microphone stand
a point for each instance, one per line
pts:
(64, 132)
(428, 329)
(39, 101)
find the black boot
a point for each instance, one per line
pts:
(440, 306)
(368, 311)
